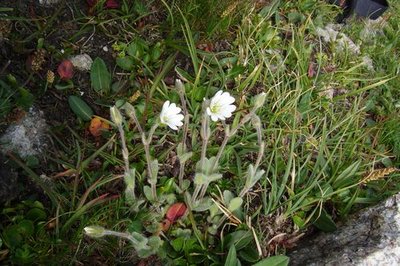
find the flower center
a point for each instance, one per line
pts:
(166, 119)
(215, 108)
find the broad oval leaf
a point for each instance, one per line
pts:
(235, 204)
(80, 108)
(231, 259)
(203, 205)
(176, 211)
(100, 76)
(325, 223)
(97, 126)
(66, 70)
(126, 63)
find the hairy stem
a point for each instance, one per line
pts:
(146, 144)
(185, 132)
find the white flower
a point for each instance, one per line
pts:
(171, 116)
(221, 106)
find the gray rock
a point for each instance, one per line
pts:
(27, 137)
(371, 237)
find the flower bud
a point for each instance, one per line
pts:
(256, 121)
(116, 116)
(179, 85)
(259, 100)
(95, 231)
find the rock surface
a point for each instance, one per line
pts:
(371, 237)
(26, 137)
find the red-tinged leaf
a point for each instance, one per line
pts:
(65, 70)
(112, 4)
(97, 126)
(176, 211)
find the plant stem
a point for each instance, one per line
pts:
(125, 152)
(203, 190)
(195, 193)
(125, 155)
(121, 235)
(205, 134)
(185, 132)
(146, 144)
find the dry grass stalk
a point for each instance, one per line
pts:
(378, 174)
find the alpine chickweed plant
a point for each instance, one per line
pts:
(200, 206)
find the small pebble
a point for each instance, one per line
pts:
(105, 49)
(83, 62)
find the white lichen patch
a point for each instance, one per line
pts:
(82, 62)
(368, 63)
(372, 29)
(26, 137)
(331, 34)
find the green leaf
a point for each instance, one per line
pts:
(126, 63)
(240, 239)
(136, 48)
(147, 193)
(236, 71)
(12, 238)
(325, 223)
(36, 214)
(346, 176)
(182, 154)
(231, 259)
(80, 108)
(177, 243)
(155, 243)
(249, 254)
(253, 176)
(156, 53)
(100, 77)
(201, 179)
(26, 228)
(270, 9)
(235, 204)
(117, 86)
(65, 85)
(299, 221)
(203, 205)
(274, 261)
(25, 98)
(154, 171)
(228, 196)
(199, 93)
(23, 255)
(185, 184)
